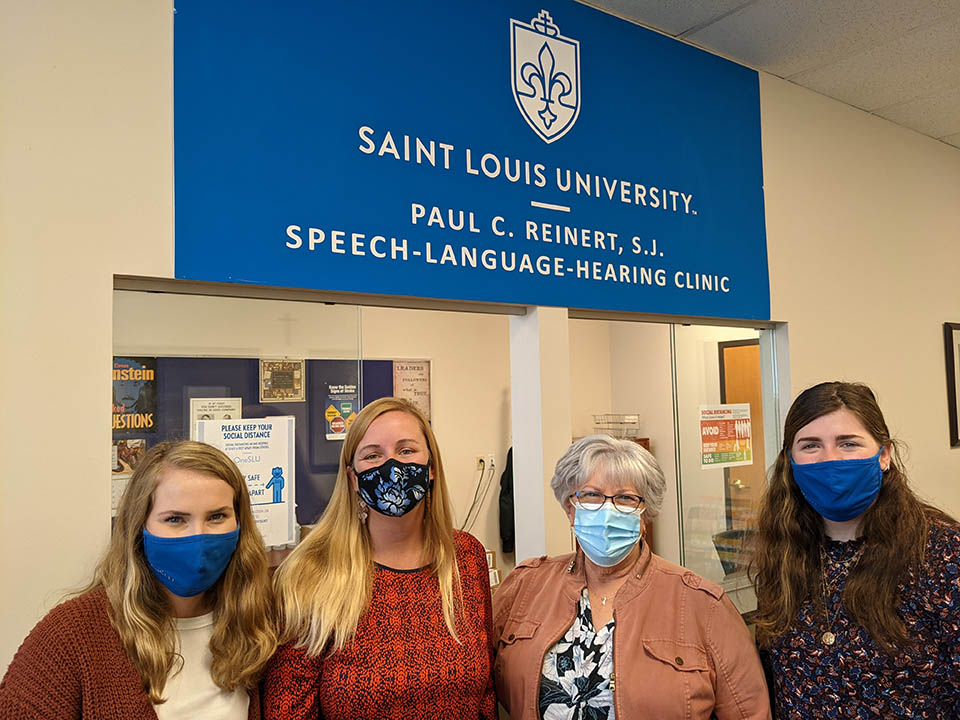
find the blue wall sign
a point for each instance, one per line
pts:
(540, 153)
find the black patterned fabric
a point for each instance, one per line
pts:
(575, 682)
(853, 678)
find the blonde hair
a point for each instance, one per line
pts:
(244, 637)
(324, 586)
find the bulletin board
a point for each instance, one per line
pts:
(177, 380)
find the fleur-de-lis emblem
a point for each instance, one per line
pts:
(546, 76)
(550, 82)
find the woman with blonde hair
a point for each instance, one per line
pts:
(858, 587)
(177, 622)
(385, 607)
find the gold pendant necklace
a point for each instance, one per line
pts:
(828, 637)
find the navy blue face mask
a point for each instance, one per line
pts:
(840, 490)
(394, 488)
(189, 565)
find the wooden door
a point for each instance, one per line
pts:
(740, 382)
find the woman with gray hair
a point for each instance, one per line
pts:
(612, 630)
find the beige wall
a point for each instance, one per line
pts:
(149, 323)
(590, 376)
(863, 234)
(86, 170)
(862, 223)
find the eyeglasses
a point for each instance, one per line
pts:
(592, 500)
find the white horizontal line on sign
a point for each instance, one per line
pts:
(549, 206)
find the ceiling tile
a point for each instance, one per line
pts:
(899, 60)
(936, 115)
(667, 16)
(786, 37)
(916, 64)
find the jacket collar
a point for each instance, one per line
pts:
(575, 576)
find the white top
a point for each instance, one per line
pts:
(191, 693)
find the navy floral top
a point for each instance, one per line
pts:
(575, 681)
(853, 678)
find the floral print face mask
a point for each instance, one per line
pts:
(394, 488)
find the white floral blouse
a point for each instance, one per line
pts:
(575, 681)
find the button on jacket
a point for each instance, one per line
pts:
(680, 648)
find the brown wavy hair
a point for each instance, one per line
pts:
(244, 637)
(786, 565)
(325, 584)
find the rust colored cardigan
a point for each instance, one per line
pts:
(72, 666)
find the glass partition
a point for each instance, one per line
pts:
(695, 396)
(723, 436)
(232, 359)
(183, 359)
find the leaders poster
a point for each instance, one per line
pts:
(263, 450)
(411, 381)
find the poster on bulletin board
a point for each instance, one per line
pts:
(213, 409)
(127, 454)
(411, 381)
(263, 449)
(726, 436)
(281, 381)
(134, 395)
(342, 406)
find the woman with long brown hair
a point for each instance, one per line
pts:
(857, 579)
(177, 622)
(385, 608)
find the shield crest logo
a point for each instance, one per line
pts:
(545, 74)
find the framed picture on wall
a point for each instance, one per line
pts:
(281, 381)
(951, 337)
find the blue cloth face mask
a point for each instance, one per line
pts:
(394, 488)
(840, 490)
(607, 535)
(190, 565)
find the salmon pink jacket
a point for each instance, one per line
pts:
(680, 648)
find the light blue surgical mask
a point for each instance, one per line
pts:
(607, 535)
(840, 490)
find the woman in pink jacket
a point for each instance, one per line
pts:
(613, 631)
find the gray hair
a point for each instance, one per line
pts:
(621, 459)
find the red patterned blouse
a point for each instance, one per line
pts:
(402, 664)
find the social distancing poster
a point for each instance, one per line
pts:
(726, 435)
